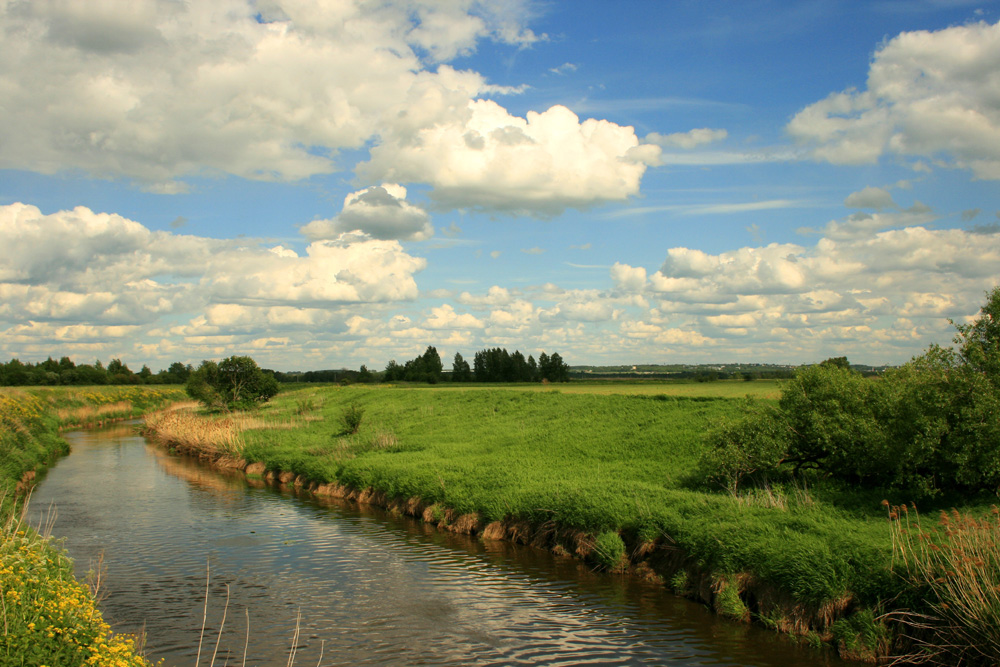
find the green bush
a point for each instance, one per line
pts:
(928, 426)
(353, 414)
(757, 442)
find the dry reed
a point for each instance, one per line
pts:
(956, 566)
(213, 435)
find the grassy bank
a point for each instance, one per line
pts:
(49, 618)
(605, 476)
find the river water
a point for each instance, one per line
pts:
(364, 587)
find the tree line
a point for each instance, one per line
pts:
(50, 372)
(491, 365)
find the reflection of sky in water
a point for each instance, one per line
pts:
(373, 588)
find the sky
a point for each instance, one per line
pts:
(330, 184)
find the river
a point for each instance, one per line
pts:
(366, 587)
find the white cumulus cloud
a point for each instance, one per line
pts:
(929, 93)
(542, 164)
(380, 211)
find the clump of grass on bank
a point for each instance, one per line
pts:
(48, 617)
(214, 435)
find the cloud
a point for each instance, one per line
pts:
(533, 251)
(929, 94)
(112, 270)
(687, 140)
(542, 164)
(628, 278)
(158, 91)
(445, 317)
(563, 69)
(870, 197)
(380, 211)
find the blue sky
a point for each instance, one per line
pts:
(329, 184)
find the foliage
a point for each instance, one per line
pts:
(929, 426)
(65, 372)
(956, 566)
(460, 369)
(235, 383)
(757, 441)
(425, 368)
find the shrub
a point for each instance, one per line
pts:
(756, 442)
(928, 426)
(352, 417)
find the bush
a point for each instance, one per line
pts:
(928, 426)
(738, 448)
(353, 415)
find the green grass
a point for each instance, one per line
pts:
(718, 389)
(608, 460)
(589, 461)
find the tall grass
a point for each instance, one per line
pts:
(955, 566)
(211, 434)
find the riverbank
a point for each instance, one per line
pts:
(49, 617)
(606, 478)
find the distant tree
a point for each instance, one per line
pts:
(393, 372)
(234, 383)
(836, 362)
(179, 373)
(365, 375)
(460, 370)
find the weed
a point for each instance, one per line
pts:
(680, 583)
(728, 601)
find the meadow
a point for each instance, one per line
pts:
(607, 473)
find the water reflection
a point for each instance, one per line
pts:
(372, 589)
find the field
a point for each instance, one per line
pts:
(719, 389)
(605, 471)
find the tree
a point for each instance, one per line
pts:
(234, 383)
(460, 370)
(979, 342)
(365, 375)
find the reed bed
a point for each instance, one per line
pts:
(956, 567)
(213, 435)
